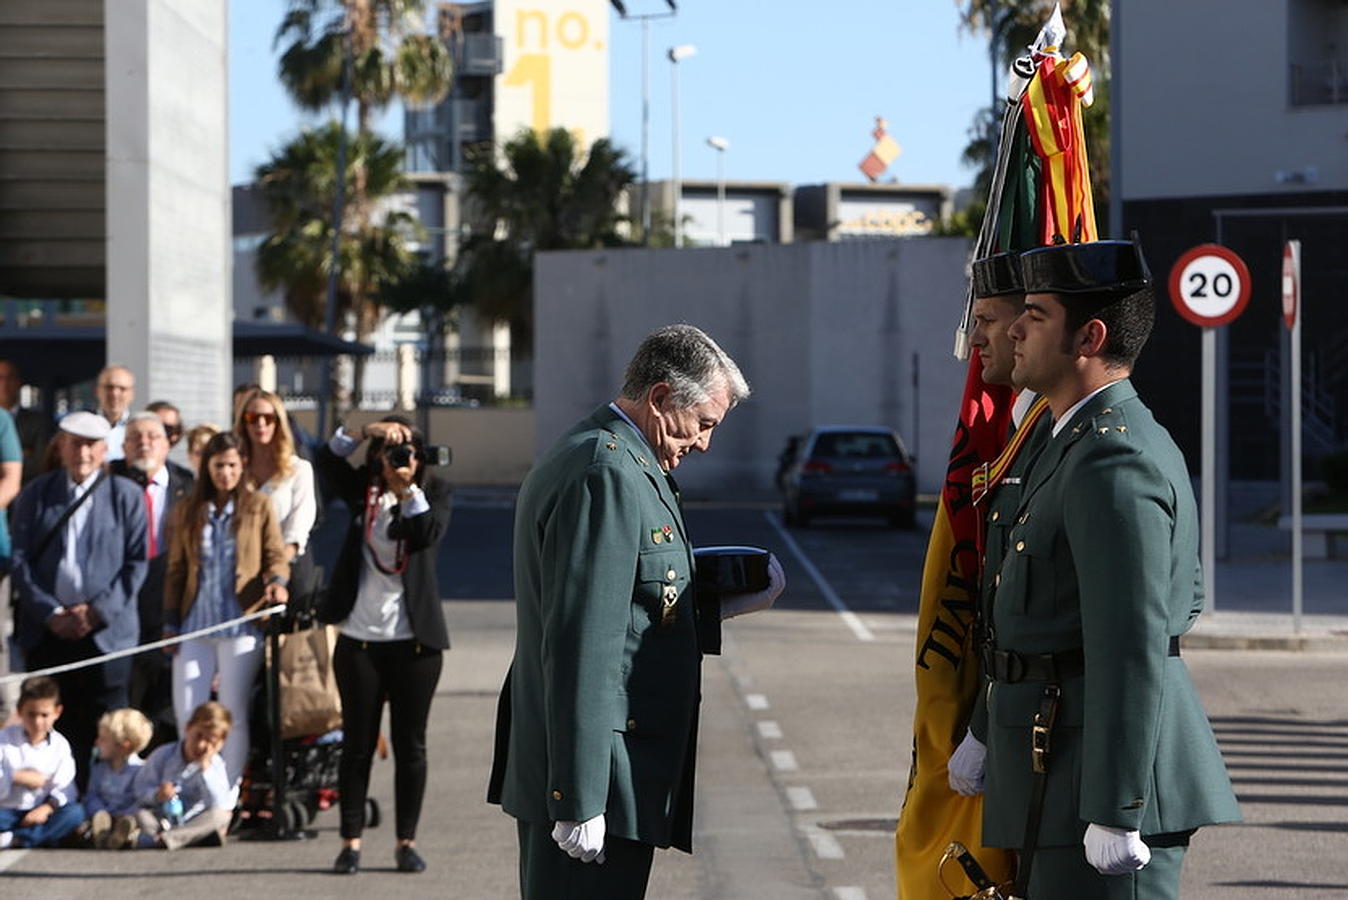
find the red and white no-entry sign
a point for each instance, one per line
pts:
(1291, 282)
(1210, 285)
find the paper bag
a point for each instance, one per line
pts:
(310, 703)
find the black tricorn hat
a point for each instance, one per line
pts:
(1096, 267)
(997, 275)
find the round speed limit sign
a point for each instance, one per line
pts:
(1210, 285)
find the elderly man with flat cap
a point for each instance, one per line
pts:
(1100, 760)
(79, 561)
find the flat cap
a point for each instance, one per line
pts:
(86, 425)
(997, 275)
(1096, 267)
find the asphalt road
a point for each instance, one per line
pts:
(803, 757)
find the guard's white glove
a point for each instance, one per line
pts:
(967, 765)
(581, 840)
(1115, 851)
(738, 604)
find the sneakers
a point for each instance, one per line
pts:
(125, 834)
(348, 862)
(100, 829)
(408, 859)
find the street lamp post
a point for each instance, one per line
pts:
(682, 51)
(720, 145)
(645, 20)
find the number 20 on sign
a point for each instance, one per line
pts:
(1210, 285)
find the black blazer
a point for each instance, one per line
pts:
(151, 596)
(421, 589)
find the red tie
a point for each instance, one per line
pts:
(149, 515)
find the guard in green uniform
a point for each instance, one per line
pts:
(597, 727)
(999, 299)
(1100, 759)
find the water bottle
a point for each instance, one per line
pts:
(171, 813)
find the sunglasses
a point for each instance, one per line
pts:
(173, 431)
(253, 418)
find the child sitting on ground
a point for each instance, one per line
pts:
(38, 799)
(183, 791)
(122, 734)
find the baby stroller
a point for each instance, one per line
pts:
(297, 739)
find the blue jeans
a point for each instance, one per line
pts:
(59, 824)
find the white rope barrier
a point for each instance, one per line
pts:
(142, 648)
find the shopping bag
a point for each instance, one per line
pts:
(310, 703)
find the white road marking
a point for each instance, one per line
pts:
(769, 730)
(801, 798)
(859, 628)
(825, 845)
(784, 761)
(849, 893)
(756, 701)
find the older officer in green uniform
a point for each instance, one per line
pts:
(999, 299)
(597, 727)
(1101, 761)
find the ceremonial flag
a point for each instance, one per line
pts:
(883, 152)
(1040, 195)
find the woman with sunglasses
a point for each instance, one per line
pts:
(386, 601)
(278, 472)
(225, 559)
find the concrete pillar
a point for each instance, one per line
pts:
(407, 378)
(264, 372)
(168, 201)
(500, 374)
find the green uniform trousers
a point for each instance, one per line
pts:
(1062, 873)
(547, 873)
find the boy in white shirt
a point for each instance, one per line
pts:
(39, 803)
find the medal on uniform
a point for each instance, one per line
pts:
(668, 611)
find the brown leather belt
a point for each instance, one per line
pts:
(1010, 666)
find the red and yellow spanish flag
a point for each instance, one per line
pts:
(1042, 195)
(947, 674)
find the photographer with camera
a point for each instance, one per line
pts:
(385, 601)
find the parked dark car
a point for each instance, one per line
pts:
(849, 470)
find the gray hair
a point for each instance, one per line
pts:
(689, 361)
(148, 418)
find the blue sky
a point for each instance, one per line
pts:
(794, 86)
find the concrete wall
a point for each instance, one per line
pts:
(168, 199)
(825, 333)
(1215, 117)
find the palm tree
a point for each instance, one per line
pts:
(1016, 24)
(387, 53)
(298, 186)
(541, 195)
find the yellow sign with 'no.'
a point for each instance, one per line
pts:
(555, 67)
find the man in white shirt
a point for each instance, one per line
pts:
(115, 391)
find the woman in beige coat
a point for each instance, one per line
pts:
(226, 559)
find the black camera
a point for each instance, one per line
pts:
(401, 455)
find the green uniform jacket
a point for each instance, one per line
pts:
(1103, 556)
(1002, 504)
(599, 712)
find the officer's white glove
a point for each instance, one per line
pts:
(966, 766)
(1115, 851)
(738, 604)
(581, 840)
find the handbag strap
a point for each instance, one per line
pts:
(43, 544)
